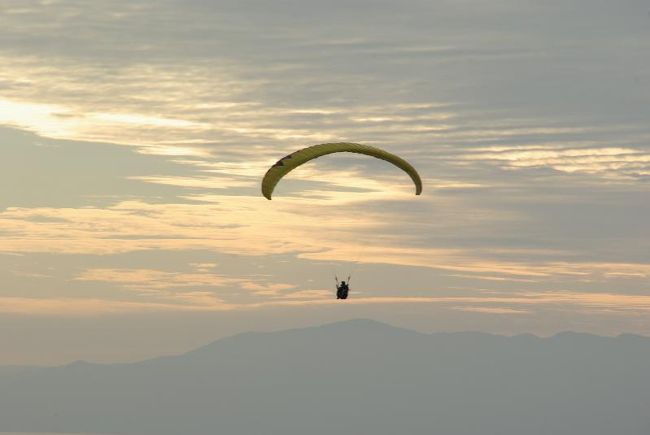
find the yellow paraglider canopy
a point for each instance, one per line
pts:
(293, 160)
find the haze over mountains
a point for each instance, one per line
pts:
(356, 377)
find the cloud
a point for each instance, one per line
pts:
(616, 163)
(532, 141)
(199, 182)
(267, 290)
(491, 310)
(83, 306)
(521, 303)
(251, 226)
(147, 280)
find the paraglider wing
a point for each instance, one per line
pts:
(293, 160)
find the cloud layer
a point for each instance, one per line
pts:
(135, 134)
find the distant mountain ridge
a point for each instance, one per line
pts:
(357, 377)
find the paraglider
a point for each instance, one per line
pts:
(290, 162)
(295, 159)
(342, 289)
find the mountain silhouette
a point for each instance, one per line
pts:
(352, 377)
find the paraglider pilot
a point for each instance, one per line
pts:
(342, 289)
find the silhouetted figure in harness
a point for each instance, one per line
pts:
(342, 289)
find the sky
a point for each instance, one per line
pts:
(134, 135)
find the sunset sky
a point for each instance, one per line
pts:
(134, 135)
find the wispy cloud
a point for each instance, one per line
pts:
(491, 310)
(146, 280)
(518, 303)
(617, 163)
(532, 142)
